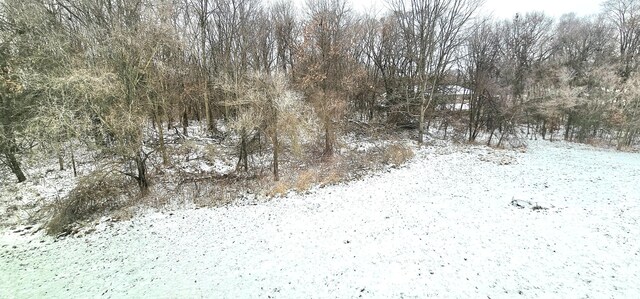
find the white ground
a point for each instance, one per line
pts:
(441, 227)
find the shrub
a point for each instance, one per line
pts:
(93, 195)
(334, 176)
(397, 154)
(279, 189)
(305, 180)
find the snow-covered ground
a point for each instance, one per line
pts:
(444, 226)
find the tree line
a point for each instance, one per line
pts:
(115, 75)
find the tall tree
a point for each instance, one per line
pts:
(325, 66)
(432, 31)
(625, 17)
(285, 25)
(483, 53)
(31, 49)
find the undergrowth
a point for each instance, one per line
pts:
(94, 195)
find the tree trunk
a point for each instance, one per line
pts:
(9, 149)
(490, 137)
(471, 123)
(196, 110)
(60, 160)
(141, 178)
(73, 163)
(165, 157)
(276, 175)
(185, 122)
(502, 134)
(207, 110)
(328, 139)
(14, 165)
(446, 126)
(204, 24)
(421, 126)
(424, 105)
(243, 155)
(567, 129)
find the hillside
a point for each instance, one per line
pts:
(558, 220)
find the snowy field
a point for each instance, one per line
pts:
(443, 226)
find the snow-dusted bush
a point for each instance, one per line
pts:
(397, 154)
(265, 105)
(95, 194)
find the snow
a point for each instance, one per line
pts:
(361, 144)
(218, 166)
(456, 90)
(458, 107)
(443, 226)
(22, 203)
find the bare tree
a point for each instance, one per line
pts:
(285, 24)
(625, 16)
(432, 31)
(482, 67)
(528, 46)
(203, 13)
(325, 63)
(581, 46)
(528, 41)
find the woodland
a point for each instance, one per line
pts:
(118, 92)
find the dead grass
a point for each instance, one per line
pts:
(333, 177)
(280, 188)
(397, 154)
(322, 172)
(305, 180)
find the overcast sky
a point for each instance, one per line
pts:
(554, 8)
(504, 9)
